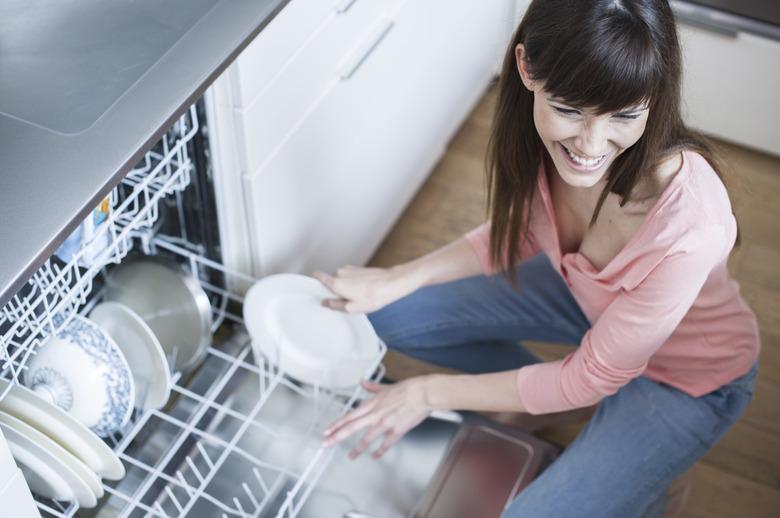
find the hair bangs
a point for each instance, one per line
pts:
(609, 66)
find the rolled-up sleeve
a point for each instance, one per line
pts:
(629, 331)
(479, 239)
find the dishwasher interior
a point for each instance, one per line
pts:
(237, 437)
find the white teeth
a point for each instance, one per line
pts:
(586, 162)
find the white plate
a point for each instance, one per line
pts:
(50, 470)
(289, 325)
(63, 428)
(142, 351)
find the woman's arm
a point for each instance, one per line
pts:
(493, 392)
(362, 290)
(451, 262)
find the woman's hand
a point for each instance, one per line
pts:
(393, 411)
(363, 290)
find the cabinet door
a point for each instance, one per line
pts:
(731, 85)
(336, 185)
(16, 498)
(297, 85)
(275, 45)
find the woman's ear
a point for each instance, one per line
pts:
(522, 68)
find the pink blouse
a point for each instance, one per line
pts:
(665, 307)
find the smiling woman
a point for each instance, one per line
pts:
(610, 229)
(603, 103)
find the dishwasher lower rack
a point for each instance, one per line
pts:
(237, 438)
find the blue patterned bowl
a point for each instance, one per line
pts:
(84, 372)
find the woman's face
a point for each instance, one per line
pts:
(582, 144)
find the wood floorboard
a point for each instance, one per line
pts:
(770, 357)
(740, 476)
(750, 452)
(720, 493)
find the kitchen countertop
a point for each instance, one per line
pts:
(86, 87)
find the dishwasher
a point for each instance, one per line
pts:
(238, 436)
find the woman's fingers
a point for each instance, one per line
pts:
(391, 438)
(325, 279)
(363, 409)
(337, 304)
(369, 437)
(372, 387)
(334, 428)
(346, 429)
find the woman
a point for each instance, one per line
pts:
(610, 228)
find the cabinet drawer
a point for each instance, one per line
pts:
(730, 86)
(284, 102)
(330, 192)
(275, 45)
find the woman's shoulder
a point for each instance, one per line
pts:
(705, 188)
(695, 205)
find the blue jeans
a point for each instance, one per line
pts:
(639, 440)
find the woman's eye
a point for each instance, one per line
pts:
(566, 111)
(627, 116)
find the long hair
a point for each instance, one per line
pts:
(604, 54)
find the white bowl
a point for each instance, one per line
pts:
(82, 371)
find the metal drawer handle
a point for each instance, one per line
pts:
(370, 46)
(344, 6)
(702, 18)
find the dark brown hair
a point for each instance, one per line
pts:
(604, 54)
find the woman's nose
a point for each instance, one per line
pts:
(592, 138)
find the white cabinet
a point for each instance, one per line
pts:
(731, 85)
(335, 145)
(15, 496)
(264, 122)
(275, 46)
(329, 194)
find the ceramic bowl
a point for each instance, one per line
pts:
(82, 371)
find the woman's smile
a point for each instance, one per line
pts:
(579, 163)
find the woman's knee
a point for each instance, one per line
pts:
(422, 318)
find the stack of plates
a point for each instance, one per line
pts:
(139, 345)
(60, 457)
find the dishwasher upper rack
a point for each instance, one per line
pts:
(59, 287)
(181, 487)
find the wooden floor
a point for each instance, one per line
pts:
(740, 477)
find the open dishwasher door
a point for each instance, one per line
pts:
(440, 469)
